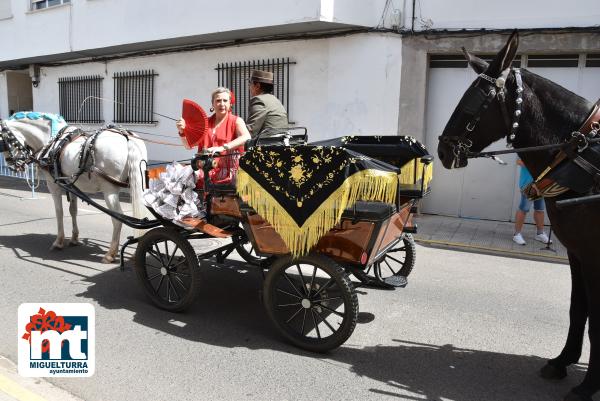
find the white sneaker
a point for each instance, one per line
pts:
(518, 238)
(543, 238)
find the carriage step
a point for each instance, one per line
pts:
(396, 281)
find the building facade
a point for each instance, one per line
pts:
(379, 67)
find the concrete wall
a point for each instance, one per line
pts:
(415, 51)
(474, 14)
(339, 86)
(89, 24)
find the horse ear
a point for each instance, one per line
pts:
(505, 57)
(477, 64)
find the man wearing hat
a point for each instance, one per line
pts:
(266, 111)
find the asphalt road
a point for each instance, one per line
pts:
(468, 327)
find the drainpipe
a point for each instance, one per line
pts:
(412, 21)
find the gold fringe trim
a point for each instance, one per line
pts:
(407, 172)
(368, 185)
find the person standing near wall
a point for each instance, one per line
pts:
(524, 205)
(266, 111)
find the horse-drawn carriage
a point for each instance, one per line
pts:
(307, 290)
(309, 215)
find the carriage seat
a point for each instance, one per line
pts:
(373, 211)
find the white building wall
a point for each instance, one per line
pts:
(339, 86)
(508, 14)
(90, 24)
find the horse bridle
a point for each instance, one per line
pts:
(19, 155)
(476, 101)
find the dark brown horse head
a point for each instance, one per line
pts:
(478, 120)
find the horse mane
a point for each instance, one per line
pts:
(555, 111)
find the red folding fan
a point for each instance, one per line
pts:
(196, 122)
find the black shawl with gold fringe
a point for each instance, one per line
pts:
(303, 190)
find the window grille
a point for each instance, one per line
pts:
(592, 60)
(79, 99)
(134, 97)
(40, 4)
(235, 77)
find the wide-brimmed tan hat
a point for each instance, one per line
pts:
(261, 76)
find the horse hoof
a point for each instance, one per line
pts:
(576, 397)
(56, 247)
(74, 243)
(108, 259)
(551, 372)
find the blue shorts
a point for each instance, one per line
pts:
(525, 204)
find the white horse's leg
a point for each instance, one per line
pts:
(112, 202)
(56, 193)
(73, 210)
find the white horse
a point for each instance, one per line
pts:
(114, 155)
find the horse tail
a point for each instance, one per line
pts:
(134, 157)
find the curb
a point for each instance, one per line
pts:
(496, 251)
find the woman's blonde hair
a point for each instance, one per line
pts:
(218, 90)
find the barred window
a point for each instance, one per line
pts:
(40, 4)
(134, 97)
(79, 99)
(235, 77)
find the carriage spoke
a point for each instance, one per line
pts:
(331, 310)
(327, 285)
(312, 280)
(172, 256)
(327, 299)
(158, 254)
(181, 283)
(152, 266)
(402, 248)
(178, 263)
(288, 293)
(294, 304)
(153, 277)
(303, 322)
(325, 321)
(168, 291)
(174, 289)
(292, 284)
(302, 279)
(159, 284)
(294, 315)
(312, 312)
(389, 267)
(155, 256)
(179, 273)
(394, 259)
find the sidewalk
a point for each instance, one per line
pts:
(485, 236)
(17, 388)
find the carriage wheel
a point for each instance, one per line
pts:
(311, 301)
(167, 267)
(246, 250)
(398, 261)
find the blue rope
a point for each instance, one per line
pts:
(54, 119)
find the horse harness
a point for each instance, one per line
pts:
(581, 149)
(48, 158)
(476, 101)
(19, 155)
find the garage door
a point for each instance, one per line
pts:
(487, 190)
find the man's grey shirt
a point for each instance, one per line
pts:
(266, 112)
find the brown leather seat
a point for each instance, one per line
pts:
(202, 225)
